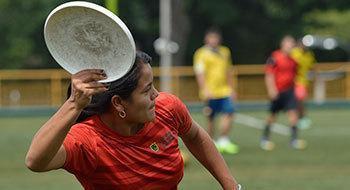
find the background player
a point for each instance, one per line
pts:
(213, 69)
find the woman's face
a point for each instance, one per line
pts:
(140, 108)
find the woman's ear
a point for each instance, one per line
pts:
(117, 103)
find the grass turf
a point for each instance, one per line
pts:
(323, 165)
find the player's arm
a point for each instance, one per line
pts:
(202, 85)
(46, 151)
(270, 85)
(270, 80)
(230, 75)
(202, 147)
(199, 70)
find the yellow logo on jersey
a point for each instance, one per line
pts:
(154, 147)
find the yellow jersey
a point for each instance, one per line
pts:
(305, 61)
(215, 65)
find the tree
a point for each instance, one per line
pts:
(330, 23)
(252, 29)
(21, 28)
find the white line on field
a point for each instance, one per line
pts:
(260, 124)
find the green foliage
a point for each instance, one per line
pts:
(20, 22)
(21, 28)
(329, 23)
(251, 29)
(142, 18)
(112, 5)
(277, 9)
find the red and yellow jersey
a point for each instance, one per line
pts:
(100, 158)
(215, 65)
(283, 67)
(305, 61)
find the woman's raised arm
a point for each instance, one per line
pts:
(46, 151)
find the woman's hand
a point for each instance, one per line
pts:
(84, 85)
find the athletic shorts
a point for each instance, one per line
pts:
(300, 92)
(222, 105)
(285, 101)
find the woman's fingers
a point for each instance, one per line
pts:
(89, 75)
(89, 89)
(85, 84)
(89, 71)
(92, 91)
(88, 79)
(94, 87)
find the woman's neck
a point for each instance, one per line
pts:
(121, 126)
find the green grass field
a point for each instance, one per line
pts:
(324, 165)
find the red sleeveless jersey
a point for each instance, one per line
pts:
(100, 158)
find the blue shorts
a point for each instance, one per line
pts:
(222, 105)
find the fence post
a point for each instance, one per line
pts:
(176, 83)
(0, 92)
(347, 82)
(235, 81)
(56, 89)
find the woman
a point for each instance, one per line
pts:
(126, 136)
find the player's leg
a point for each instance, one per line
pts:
(227, 110)
(226, 123)
(269, 121)
(275, 107)
(293, 117)
(293, 120)
(265, 142)
(210, 126)
(210, 112)
(301, 94)
(295, 141)
(224, 143)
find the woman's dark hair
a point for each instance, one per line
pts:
(122, 87)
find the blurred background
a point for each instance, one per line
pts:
(33, 86)
(251, 29)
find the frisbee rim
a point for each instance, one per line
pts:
(102, 10)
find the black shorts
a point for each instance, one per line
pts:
(285, 101)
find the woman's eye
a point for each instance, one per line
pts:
(147, 90)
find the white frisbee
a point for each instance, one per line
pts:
(82, 35)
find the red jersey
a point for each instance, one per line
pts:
(100, 158)
(284, 68)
